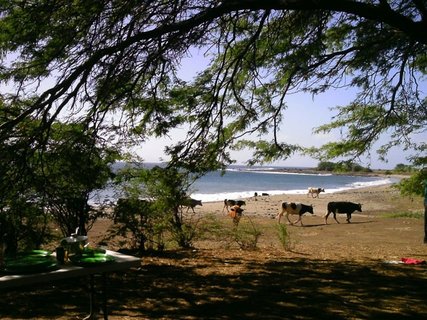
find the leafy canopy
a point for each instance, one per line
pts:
(112, 67)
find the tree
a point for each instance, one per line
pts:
(151, 206)
(24, 224)
(48, 178)
(115, 63)
(71, 166)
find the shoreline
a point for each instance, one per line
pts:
(373, 199)
(383, 180)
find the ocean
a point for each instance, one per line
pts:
(242, 182)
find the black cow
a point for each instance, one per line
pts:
(294, 208)
(230, 203)
(191, 203)
(342, 207)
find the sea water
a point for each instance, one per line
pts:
(239, 182)
(243, 182)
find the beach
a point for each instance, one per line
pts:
(372, 233)
(373, 199)
(346, 271)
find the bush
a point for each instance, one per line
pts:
(246, 235)
(284, 236)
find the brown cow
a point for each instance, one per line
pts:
(315, 192)
(235, 213)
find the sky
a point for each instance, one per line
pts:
(304, 113)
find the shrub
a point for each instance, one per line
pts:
(246, 235)
(284, 237)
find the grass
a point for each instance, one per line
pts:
(284, 236)
(404, 214)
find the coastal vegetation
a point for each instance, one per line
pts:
(87, 83)
(348, 166)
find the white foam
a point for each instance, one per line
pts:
(213, 197)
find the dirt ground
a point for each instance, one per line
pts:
(339, 271)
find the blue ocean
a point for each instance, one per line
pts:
(242, 182)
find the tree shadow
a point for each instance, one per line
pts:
(278, 289)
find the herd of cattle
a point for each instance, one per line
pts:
(235, 211)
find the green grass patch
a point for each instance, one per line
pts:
(404, 214)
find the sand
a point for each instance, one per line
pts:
(373, 199)
(372, 234)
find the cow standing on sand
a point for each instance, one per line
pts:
(230, 203)
(315, 192)
(342, 207)
(295, 209)
(235, 213)
(191, 203)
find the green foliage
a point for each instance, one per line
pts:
(414, 185)
(411, 215)
(23, 225)
(49, 179)
(284, 237)
(142, 220)
(117, 84)
(246, 234)
(72, 166)
(163, 190)
(113, 86)
(211, 228)
(346, 166)
(403, 168)
(326, 166)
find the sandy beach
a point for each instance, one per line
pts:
(373, 199)
(372, 234)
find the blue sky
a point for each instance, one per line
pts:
(304, 113)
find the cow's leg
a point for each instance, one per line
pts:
(335, 216)
(348, 217)
(280, 214)
(326, 217)
(287, 217)
(299, 220)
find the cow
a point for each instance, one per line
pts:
(315, 192)
(229, 203)
(294, 208)
(191, 203)
(342, 207)
(235, 212)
